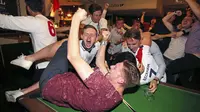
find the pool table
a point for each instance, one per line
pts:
(167, 98)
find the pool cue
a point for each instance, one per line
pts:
(128, 105)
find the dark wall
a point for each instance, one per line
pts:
(12, 73)
(11, 7)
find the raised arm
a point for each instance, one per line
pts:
(105, 10)
(167, 17)
(167, 23)
(100, 59)
(82, 68)
(195, 7)
(127, 27)
(142, 18)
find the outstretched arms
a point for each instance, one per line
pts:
(82, 68)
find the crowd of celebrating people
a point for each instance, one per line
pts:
(125, 55)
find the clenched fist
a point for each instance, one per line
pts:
(80, 14)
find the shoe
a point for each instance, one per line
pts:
(11, 96)
(20, 61)
(11, 92)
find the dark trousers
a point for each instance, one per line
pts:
(57, 65)
(184, 64)
(37, 75)
(167, 60)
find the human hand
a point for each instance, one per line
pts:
(143, 13)
(140, 67)
(122, 40)
(153, 86)
(80, 14)
(106, 35)
(179, 26)
(173, 34)
(106, 5)
(124, 44)
(178, 13)
(176, 34)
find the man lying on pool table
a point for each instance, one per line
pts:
(95, 90)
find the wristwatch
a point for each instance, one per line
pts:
(103, 42)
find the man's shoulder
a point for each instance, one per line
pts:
(146, 47)
(96, 78)
(37, 20)
(197, 24)
(154, 45)
(41, 17)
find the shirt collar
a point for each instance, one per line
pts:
(85, 48)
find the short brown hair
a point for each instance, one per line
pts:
(89, 26)
(35, 5)
(133, 33)
(132, 74)
(95, 7)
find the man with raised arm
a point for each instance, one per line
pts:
(57, 52)
(95, 90)
(95, 18)
(41, 29)
(176, 46)
(88, 49)
(191, 59)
